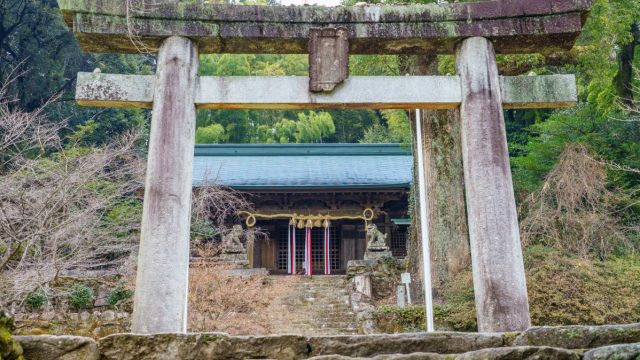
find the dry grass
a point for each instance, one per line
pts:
(236, 305)
(575, 210)
(562, 289)
(569, 290)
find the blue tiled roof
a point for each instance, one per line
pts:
(318, 166)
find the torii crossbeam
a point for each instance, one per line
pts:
(473, 31)
(359, 92)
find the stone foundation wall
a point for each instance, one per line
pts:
(95, 324)
(371, 280)
(569, 342)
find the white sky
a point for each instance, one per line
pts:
(311, 2)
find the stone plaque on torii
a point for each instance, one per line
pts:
(474, 32)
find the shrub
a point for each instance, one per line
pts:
(80, 297)
(36, 299)
(119, 294)
(577, 211)
(394, 319)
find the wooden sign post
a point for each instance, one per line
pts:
(406, 280)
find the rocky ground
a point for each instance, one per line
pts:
(568, 342)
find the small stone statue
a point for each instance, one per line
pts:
(231, 241)
(376, 244)
(376, 240)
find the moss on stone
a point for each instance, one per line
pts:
(10, 348)
(213, 338)
(509, 338)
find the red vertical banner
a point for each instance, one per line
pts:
(289, 254)
(326, 251)
(293, 251)
(309, 265)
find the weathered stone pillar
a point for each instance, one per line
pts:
(498, 268)
(163, 261)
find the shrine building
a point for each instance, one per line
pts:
(327, 190)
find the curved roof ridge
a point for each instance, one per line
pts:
(324, 149)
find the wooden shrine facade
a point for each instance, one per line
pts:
(474, 32)
(314, 179)
(347, 236)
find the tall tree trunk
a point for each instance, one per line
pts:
(444, 176)
(624, 79)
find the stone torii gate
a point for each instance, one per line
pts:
(473, 31)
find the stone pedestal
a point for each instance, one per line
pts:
(374, 254)
(362, 284)
(237, 260)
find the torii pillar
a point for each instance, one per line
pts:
(498, 268)
(160, 303)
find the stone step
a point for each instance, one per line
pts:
(313, 306)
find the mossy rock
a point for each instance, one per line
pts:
(622, 351)
(393, 319)
(48, 347)
(10, 349)
(580, 337)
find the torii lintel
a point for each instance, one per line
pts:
(513, 26)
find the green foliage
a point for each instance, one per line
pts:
(285, 132)
(373, 65)
(314, 127)
(119, 220)
(458, 312)
(36, 299)
(395, 129)
(80, 297)
(212, 134)
(284, 126)
(376, 134)
(119, 294)
(203, 230)
(394, 319)
(537, 138)
(124, 210)
(311, 127)
(35, 41)
(399, 125)
(608, 28)
(391, 264)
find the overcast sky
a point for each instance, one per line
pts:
(311, 2)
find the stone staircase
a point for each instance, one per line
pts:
(314, 306)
